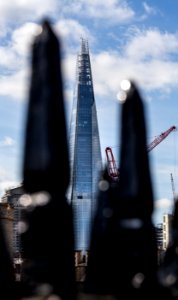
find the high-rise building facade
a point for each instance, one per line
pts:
(167, 230)
(159, 235)
(6, 219)
(85, 152)
(12, 197)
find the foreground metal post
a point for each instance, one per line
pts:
(168, 271)
(123, 254)
(47, 231)
(7, 272)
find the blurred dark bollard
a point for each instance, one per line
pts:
(168, 271)
(47, 231)
(7, 273)
(123, 253)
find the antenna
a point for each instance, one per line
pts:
(173, 189)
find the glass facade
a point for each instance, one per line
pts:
(85, 153)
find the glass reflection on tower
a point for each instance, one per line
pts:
(85, 153)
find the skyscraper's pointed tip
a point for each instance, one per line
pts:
(84, 46)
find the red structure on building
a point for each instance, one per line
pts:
(113, 171)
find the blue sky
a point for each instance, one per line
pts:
(127, 39)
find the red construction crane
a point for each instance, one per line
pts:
(160, 138)
(112, 168)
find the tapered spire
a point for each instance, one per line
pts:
(84, 46)
(85, 153)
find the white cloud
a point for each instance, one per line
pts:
(149, 9)
(22, 38)
(163, 203)
(110, 68)
(72, 30)
(13, 81)
(8, 58)
(158, 72)
(112, 11)
(151, 43)
(22, 10)
(6, 180)
(14, 54)
(7, 141)
(153, 67)
(7, 184)
(69, 67)
(14, 85)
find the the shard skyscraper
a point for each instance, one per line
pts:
(85, 152)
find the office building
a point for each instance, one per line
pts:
(167, 230)
(11, 198)
(159, 235)
(85, 153)
(6, 218)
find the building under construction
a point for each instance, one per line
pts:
(85, 154)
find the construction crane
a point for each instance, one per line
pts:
(111, 163)
(173, 188)
(112, 168)
(160, 138)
